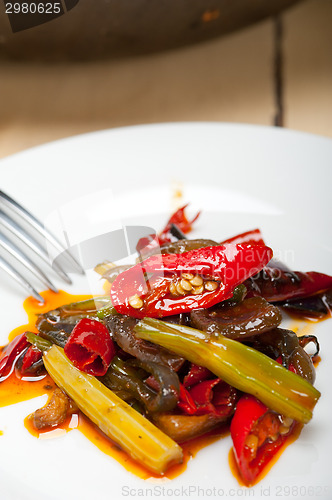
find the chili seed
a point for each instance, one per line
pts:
(197, 281)
(197, 290)
(211, 286)
(186, 285)
(287, 421)
(283, 430)
(136, 302)
(180, 290)
(172, 289)
(252, 443)
(188, 276)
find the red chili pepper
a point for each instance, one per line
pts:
(196, 375)
(31, 357)
(186, 402)
(90, 347)
(153, 241)
(275, 285)
(256, 437)
(11, 353)
(214, 396)
(253, 237)
(290, 367)
(208, 397)
(180, 220)
(144, 289)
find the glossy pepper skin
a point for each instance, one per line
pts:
(31, 357)
(11, 353)
(90, 347)
(229, 264)
(253, 237)
(253, 418)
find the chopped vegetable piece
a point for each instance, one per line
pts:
(308, 307)
(181, 283)
(184, 427)
(125, 376)
(122, 328)
(64, 318)
(257, 434)
(133, 432)
(90, 347)
(276, 285)
(239, 365)
(250, 317)
(53, 413)
(10, 355)
(38, 341)
(214, 396)
(31, 358)
(196, 375)
(286, 344)
(180, 219)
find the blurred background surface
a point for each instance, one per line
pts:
(275, 71)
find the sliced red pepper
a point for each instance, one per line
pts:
(257, 434)
(186, 402)
(196, 374)
(208, 397)
(144, 289)
(291, 368)
(214, 396)
(275, 285)
(90, 347)
(253, 237)
(31, 357)
(11, 353)
(180, 219)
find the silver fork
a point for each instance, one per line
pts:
(26, 238)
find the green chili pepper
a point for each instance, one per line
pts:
(104, 312)
(34, 339)
(239, 365)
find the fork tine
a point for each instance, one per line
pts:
(19, 233)
(36, 224)
(27, 263)
(19, 278)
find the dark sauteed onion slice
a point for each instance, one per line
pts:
(250, 317)
(122, 328)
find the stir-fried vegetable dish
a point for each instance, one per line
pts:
(187, 340)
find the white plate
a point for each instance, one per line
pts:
(241, 177)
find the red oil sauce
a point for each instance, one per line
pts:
(14, 390)
(234, 467)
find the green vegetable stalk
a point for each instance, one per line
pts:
(240, 366)
(133, 432)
